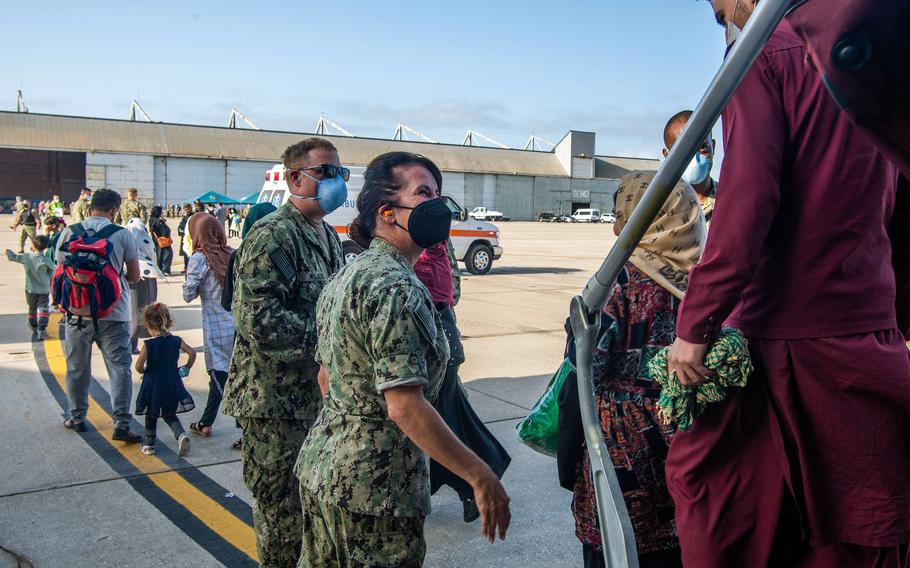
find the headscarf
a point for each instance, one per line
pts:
(676, 237)
(148, 267)
(207, 236)
(255, 213)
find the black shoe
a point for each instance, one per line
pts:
(470, 510)
(126, 435)
(74, 425)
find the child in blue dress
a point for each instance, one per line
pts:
(162, 394)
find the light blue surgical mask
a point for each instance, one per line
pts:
(330, 192)
(699, 169)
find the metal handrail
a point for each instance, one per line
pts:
(617, 535)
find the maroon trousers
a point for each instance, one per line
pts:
(809, 465)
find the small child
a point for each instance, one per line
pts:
(162, 394)
(38, 271)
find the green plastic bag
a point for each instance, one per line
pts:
(539, 429)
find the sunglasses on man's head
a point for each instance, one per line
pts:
(327, 171)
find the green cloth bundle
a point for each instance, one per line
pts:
(728, 357)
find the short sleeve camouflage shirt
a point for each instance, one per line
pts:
(279, 272)
(378, 330)
(131, 209)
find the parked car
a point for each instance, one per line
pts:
(561, 218)
(546, 217)
(587, 215)
(608, 218)
(484, 214)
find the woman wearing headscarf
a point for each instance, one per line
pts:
(162, 235)
(204, 279)
(639, 320)
(145, 291)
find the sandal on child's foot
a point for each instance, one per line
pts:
(148, 450)
(73, 424)
(204, 431)
(183, 445)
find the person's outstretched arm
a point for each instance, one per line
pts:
(422, 424)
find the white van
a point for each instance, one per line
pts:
(476, 242)
(587, 215)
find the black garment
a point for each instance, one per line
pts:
(165, 258)
(162, 392)
(594, 558)
(37, 310)
(216, 392)
(456, 411)
(151, 428)
(165, 254)
(29, 218)
(227, 289)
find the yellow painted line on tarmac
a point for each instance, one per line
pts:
(229, 527)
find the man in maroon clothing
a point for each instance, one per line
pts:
(809, 464)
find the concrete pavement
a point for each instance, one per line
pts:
(80, 500)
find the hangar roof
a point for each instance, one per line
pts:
(82, 134)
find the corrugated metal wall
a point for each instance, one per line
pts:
(180, 180)
(120, 171)
(453, 186)
(514, 196)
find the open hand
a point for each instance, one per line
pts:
(493, 505)
(687, 361)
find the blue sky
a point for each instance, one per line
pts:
(505, 69)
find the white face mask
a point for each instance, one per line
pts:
(732, 32)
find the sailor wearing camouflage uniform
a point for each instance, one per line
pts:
(364, 479)
(79, 210)
(272, 389)
(132, 208)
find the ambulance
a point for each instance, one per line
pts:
(476, 242)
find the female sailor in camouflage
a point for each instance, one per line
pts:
(363, 471)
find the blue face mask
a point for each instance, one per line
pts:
(330, 192)
(699, 169)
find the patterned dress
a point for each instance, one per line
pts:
(639, 320)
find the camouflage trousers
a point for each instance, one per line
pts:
(26, 232)
(345, 539)
(270, 448)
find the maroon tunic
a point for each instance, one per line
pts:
(434, 270)
(798, 250)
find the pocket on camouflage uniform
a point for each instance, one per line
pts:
(396, 542)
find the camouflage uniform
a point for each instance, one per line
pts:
(26, 232)
(272, 389)
(358, 471)
(130, 209)
(80, 210)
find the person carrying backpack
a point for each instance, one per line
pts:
(96, 262)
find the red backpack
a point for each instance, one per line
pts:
(86, 283)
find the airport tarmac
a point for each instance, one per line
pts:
(69, 499)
